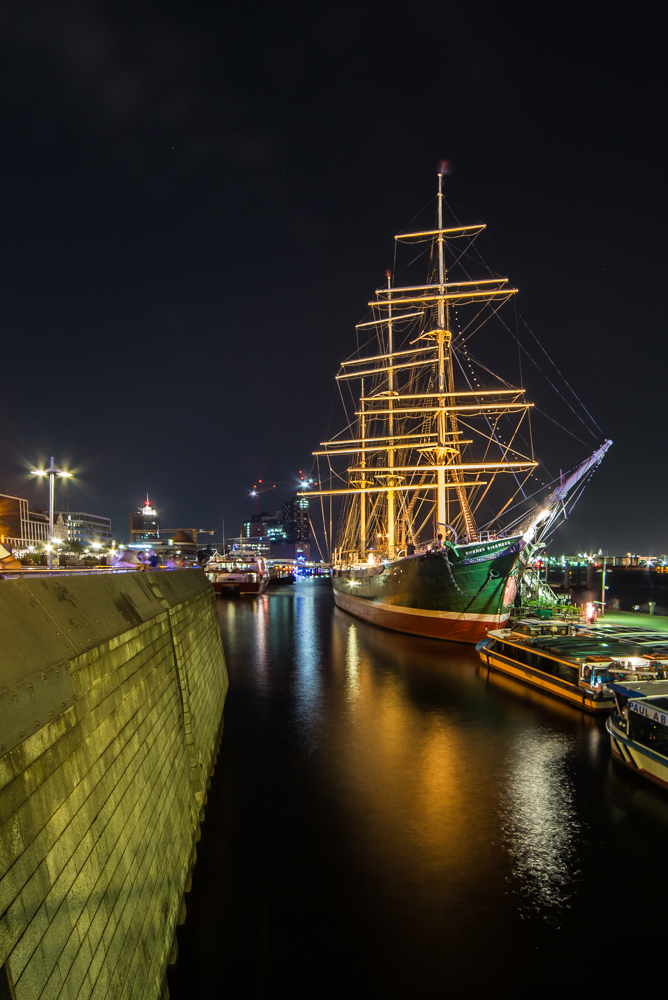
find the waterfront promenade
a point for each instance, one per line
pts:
(657, 622)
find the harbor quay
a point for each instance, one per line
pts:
(623, 583)
(111, 700)
(375, 805)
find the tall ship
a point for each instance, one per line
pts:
(433, 476)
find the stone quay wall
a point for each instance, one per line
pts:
(111, 702)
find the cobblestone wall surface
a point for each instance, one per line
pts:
(100, 804)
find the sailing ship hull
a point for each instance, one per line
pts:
(437, 594)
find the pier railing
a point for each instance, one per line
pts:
(35, 571)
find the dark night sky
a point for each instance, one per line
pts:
(198, 199)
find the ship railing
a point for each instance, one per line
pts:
(430, 545)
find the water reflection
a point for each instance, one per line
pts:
(396, 813)
(307, 657)
(261, 606)
(352, 664)
(412, 771)
(539, 821)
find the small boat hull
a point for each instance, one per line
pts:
(237, 573)
(242, 587)
(635, 757)
(576, 695)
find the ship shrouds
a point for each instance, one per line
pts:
(427, 540)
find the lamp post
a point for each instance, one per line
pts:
(51, 472)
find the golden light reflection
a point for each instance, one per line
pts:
(523, 694)
(352, 665)
(435, 780)
(413, 775)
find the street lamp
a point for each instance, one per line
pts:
(51, 472)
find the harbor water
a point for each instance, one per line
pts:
(385, 817)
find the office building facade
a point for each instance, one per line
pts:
(21, 528)
(87, 529)
(283, 535)
(297, 526)
(144, 524)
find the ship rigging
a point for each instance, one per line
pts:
(426, 448)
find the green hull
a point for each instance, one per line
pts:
(448, 593)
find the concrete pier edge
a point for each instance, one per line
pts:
(101, 805)
(183, 913)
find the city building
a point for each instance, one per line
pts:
(297, 525)
(259, 545)
(21, 528)
(283, 535)
(144, 524)
(184, 546)
(79, 526)
(265, 525)
(60, 533)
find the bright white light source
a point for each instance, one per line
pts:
(531, 530)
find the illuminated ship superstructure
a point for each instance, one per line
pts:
(239, 572)
(427, 448)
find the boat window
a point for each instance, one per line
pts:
(545, 665)
(566, 672)
(649, 734)
(525, 656)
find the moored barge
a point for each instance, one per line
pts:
(575, 662)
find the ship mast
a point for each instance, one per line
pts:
(441, 333)
(362, 493)
(391, 546)
(444, 340)
(409, 446)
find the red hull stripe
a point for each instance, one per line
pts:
(456, 629)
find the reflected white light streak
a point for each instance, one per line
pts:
(539, 821)
(307, 656)
(262, 635)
